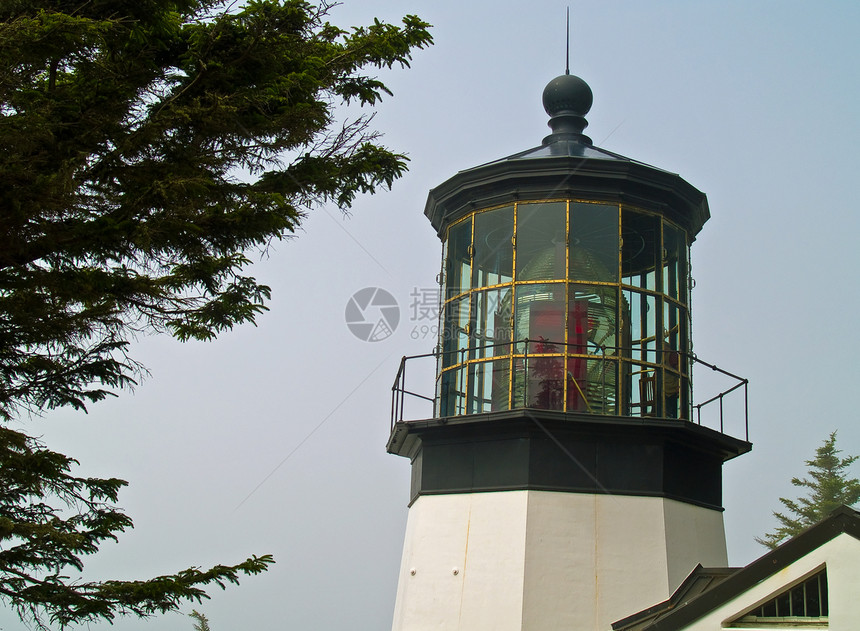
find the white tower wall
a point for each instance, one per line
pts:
(540, 560)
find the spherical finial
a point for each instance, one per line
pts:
(569, 94)
(567, 100)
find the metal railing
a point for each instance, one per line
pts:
(623, 356)
(741, 383)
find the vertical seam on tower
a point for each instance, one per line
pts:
(525, 561)
(465, 559)
(596, 560)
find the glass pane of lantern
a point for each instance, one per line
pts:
(540, 243)
(592, 385)
(673, 359)
(685, 406)
(603, 384)
(544, 383)
(640, 236)
(672, 384)
(493, 259)
(592, 319)
(674, 262)
(455, 338)
(642, 329)
(632, 374)
(643, 393)
(594, 242)
(458, 265)
(674, 335)
(539, 316)
(489, 385)
(518, 382)
(493, 325)
(452, 391)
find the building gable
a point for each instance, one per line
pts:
(833, 543)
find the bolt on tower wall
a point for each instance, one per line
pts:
(560, 482)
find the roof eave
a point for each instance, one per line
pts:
(630, 182)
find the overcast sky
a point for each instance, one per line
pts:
(272, 439)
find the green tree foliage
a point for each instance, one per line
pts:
(147, 148)
(202, 622)
(50, 519)
(829, 488)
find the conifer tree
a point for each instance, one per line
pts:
(829, 487)
(149, 147)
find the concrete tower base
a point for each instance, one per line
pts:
(544, 560)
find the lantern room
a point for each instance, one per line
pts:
(565, 278)
(569, 304)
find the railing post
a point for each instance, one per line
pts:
(603, 377)
(721, 413)
(526, 374)
(403, 388)
(461, 392)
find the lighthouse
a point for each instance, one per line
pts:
(562, 479)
